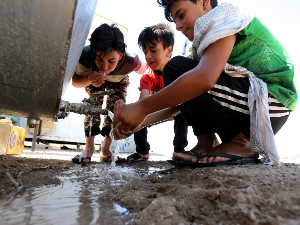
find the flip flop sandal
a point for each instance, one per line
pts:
(85, 163)
(235, 160)
(109, 158)
(77, 160)
(136, 157)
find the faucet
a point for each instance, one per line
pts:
(85, 108)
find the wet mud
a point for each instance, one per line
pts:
(154, 192)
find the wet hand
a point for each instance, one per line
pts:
(97, 78)
(127, 118)
(118, 136)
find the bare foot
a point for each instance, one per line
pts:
(105, 150)
(239, 145)
(205, 143)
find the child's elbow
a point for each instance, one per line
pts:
(209, 86)
(210, 81)
(73, 82)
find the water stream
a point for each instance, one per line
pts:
(115, 151)
(115, 147)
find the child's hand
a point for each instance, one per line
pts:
(127, 119)
(118, 136)
(97, 78)
(118, 106)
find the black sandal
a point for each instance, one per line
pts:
(136, 157)
(81, 160)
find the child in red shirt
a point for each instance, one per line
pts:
(157, 43)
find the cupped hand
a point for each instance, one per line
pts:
(97, 78)
(118, 136)
(127, 118)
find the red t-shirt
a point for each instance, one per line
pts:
(151, 81)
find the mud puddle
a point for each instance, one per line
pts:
(84, 196)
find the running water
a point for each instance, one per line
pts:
(114, 152)
(91, 124)
(117, 142)
(111, 115)
(87, 151)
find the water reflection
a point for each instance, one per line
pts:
(81, 198)
(78, 200)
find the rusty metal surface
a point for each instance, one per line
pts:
(41, 42)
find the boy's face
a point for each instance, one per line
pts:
(156, 56)
(108, 62)
(185, 13)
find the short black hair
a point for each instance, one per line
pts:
(107, 38)
(167, 4)
(156, 33)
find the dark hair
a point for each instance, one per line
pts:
(167, 4)
(152, 35)
(107, 38)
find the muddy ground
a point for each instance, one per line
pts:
(248, 194)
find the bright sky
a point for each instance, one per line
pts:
(281, 17)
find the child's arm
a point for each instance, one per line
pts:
(143, 68)
(190, 85)
(150, 119)
(159, 116)
(144, 93)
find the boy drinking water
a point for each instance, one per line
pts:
(157, 43)
(104, 65)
